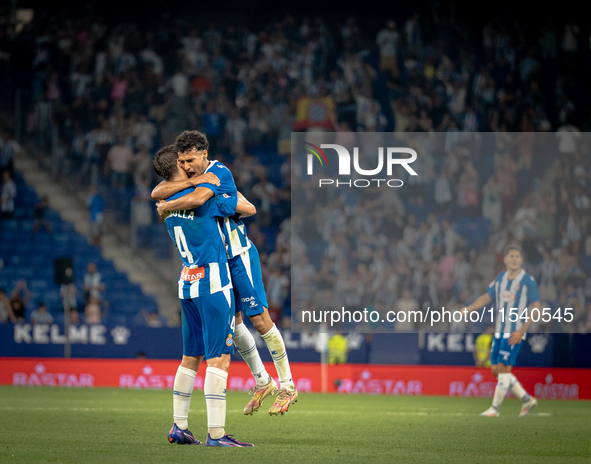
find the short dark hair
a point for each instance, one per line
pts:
(509, 248)
(165, 162)
(191, 140)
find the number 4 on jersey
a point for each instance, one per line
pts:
(181, 243)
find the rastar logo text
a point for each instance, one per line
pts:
(344, 159)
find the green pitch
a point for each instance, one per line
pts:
(124, 426)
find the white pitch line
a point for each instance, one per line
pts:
(378, 413)
(27, 408)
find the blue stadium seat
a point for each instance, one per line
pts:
(28, 255)
(37, 284)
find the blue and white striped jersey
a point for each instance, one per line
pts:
(197, 238)
(232, 227)
(519, 293)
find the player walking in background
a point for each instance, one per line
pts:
(207, 309)
(246, 274)
(516, 295)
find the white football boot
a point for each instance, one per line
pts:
(528, 406)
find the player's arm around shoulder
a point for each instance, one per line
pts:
(244, 207)
(189, 201)
(166, 189)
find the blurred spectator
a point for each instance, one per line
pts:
(40, 315)
(44, 119)
(405, 321)
(263, 195)
(92, 311)
(548, 272)
(93, 287)
(9, 148)
(154, 320)
(491, 202)
(74, 317)
(235, 129)
(570, 229)
(456, 305)
(525, 220)
(413, 35)
(460, 272)
(142, 167)
(443, 192)
(6, 313)
(8, 195)
(585, 326)
(119, 160)
(19, 297)
(144, 132)
(96, 205)
(387, 40)
(69, 294)
(277, 286)
(39, 215)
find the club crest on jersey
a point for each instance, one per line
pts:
(229, 340)
(517, 287)
(506, 296)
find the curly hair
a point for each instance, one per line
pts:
(191, 140)
(165, 162)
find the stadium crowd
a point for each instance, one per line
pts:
(100, 99)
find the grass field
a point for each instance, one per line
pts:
(112, 425)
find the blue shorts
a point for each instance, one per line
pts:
(208, 325)
(503, 353)
(247, 280)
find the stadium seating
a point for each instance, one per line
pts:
(30, 255)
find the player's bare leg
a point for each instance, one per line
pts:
(288, 393)
(265, 385)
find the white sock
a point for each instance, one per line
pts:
(183, 387)
(214, 388)
(247, 348)
(518, 390)
(501, 389)
(276, 346)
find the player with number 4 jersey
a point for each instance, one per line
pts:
(245, 269)
(207, 307)
(515, 294)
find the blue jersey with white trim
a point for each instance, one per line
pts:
(231, 227)
(519, 293)
(197, 238)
